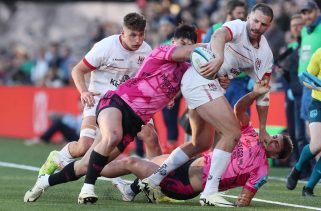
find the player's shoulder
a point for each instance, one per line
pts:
(107, 42)
(145, 47)
(235, 23)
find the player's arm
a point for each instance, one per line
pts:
(262, 107)
(218, 40)
(246, 101)
(78, 75)
(245, 198)
(182, 53)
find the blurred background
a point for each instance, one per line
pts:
(41, 41)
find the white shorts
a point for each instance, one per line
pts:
(198, 90)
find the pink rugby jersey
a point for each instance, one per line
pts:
(248, 166)
(155, 84)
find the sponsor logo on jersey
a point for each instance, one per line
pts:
(116, 83)
(118, 60)
(258, 63)
(212, 86)
(140, 60)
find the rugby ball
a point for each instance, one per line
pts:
(201, 56)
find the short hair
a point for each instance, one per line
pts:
(135, 21)
(186, 31)
(287, 148)
(264, 8)
(232, 4)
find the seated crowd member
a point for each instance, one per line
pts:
(248, 166)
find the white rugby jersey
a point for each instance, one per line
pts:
(112, 63)
(241, 56)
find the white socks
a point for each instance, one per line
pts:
(220, 160)
(64, 152)
(175, 160)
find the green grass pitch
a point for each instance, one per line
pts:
(14, 182)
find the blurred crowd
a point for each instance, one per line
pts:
(50, 65)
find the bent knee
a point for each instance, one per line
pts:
(131, 160)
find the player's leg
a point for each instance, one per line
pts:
(110, 124)
(149, 136)
(310, 150)
(72, 150)
(224, 121)
(203, 132)
(71, 172)
(315, 148)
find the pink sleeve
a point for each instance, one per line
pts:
(257, 179)
(163, 52)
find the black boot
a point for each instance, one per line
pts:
(293, 178)
(308, 192)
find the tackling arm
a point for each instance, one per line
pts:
(183, 53)
(246, 101)
(262, 106)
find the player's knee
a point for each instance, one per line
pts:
(112, 139)
(131, 161)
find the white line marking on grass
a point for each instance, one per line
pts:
(18, 166)
(278, 203)
(32, 168)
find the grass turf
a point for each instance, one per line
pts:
(15, 182)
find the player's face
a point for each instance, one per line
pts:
(309, 16)
(296, 26)
(275, 146)
(238, 13)
(131, 39)
(182, 41)
(258, 23)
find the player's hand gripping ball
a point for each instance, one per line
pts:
(201, 56)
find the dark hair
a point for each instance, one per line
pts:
(186, 31)
(264, 8)
(135, 21)
(231, 5)
(287, 148)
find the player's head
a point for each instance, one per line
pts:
(280, 147)
(235, 10)
(309, 11)
(184, 35)
(259, 20)
(296, 25)
(133, 33)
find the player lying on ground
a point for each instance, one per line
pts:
(248, 166)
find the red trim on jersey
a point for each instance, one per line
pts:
(231, 33)
(88, 64)
(267, 74)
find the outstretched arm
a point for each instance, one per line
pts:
(262, 107)
(246, 101)
(183, 53)
(245, 198)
